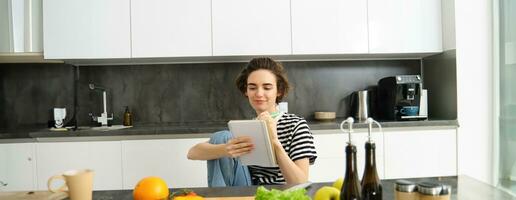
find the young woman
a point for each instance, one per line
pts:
(264, 82)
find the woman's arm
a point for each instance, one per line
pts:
(233, 148)
(294, 172)
(207, 151)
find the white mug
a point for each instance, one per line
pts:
(78, 184)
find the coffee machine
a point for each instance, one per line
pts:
(401, 98)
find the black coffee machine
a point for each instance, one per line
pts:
(399, 98)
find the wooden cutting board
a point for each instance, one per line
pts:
(40, 195)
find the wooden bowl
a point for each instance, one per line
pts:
(324, 116)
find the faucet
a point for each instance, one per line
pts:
(103, 118)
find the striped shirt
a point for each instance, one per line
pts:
(297, 140)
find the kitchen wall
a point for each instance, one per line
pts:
(440, 72)
(178, 93)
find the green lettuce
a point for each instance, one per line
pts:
(263, 193)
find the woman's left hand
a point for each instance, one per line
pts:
(271, 125)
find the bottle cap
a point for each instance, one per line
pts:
(350, 148)
(370, 144)
(405, 186)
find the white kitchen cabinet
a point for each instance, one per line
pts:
(404, 26)
(165, 158)
(81, 29)
(331, 155)
(420, 153)
(17, 167)
(102, 157)
(20, 26)
(329, 27)
(163, 28)
(251, 27)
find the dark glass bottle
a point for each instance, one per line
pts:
(128, 118)
(371, 184)
(351, 187)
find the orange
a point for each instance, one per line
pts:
(150, 188)
(186, 195)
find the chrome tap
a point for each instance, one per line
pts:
(3, 184)
(103, 118)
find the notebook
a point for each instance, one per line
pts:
(263, 154)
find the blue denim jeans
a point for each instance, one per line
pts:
(226, 171)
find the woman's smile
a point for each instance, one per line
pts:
(262, 91)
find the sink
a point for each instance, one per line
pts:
(110, 128)
(104, 128)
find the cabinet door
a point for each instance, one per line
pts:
(20, 26)
(329, 26)
(17, 165)
(86, 29)
(405, 26)
(163, 158)
(163, 28)
(251, 27)
(420, 153)
(102, 157)
(331, 155)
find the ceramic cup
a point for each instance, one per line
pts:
(409, 110)
(78, 184)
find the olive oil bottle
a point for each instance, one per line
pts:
(371, 184)
(128, 117)
(351, 189)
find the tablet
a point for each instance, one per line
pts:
(262, 154)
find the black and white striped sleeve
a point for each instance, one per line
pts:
(302, 145)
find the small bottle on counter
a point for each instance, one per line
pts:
(405, 190)
(433, 191)
(128, 118)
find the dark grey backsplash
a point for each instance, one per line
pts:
(178, 93)
(29, 91)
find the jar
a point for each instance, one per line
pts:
(433, 191)
(405, 190)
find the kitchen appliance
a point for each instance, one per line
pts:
(360, 108)
(59, 117)
(398, 96)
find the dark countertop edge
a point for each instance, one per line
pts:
(462, 188)
(174, 132)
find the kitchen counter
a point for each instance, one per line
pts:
(186, 130)
(463, 188)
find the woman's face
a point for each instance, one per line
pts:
(262, 91)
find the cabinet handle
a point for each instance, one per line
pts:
(29, 159)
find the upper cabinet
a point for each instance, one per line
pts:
(404, 26)
(79, 29)
(163, 28)
(329, 27)
(20, 26)
(251, 27)
(84, 29)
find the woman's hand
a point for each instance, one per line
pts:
(271, 126)
(239, 146)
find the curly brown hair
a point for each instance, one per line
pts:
(268, 64)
